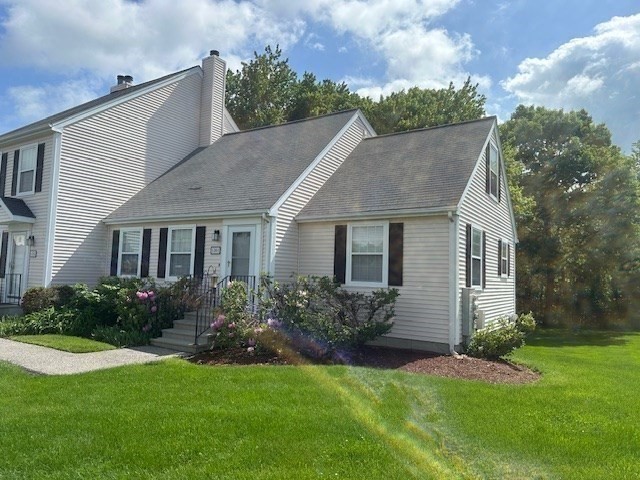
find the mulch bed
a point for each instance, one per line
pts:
(388, 358)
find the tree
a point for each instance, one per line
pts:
(577, 208)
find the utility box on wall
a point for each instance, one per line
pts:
(468, 313)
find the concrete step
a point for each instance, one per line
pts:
(186, 336)
(171, 344)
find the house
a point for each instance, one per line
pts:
(155, 180)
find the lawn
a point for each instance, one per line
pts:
(177, 420)
(65, 343)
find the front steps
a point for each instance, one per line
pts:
(181, 337)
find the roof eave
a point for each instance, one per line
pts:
(28, 133)
(380, 214)
(180, 217)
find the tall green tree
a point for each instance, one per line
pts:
(577, 214)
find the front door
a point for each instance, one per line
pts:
(16, 275)
(240, 252)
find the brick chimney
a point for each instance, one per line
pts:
(212, 99)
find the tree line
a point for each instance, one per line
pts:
(575, 194)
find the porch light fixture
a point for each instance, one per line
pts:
(31, 240)
(216, 235)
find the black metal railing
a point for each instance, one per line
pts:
(208, 296)
(11, 288)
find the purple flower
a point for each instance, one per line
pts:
(274, 323)
(232, 325)
(146, 328)
(251, 342)
(154, 309)
(217, 325)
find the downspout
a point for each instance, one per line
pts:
(454, 276)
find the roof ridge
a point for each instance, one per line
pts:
(435, 127)
(308, 119)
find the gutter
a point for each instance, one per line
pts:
(191, 216)
(381, 214)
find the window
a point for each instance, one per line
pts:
(476, 257)
(180, 251)
(131, 252)
(504, 258)
(493, 171)
(27, 170)
(367, 256)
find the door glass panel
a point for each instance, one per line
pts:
(240, 253)
(16, 266)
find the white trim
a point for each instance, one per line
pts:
(482, 257)
(367, 125)
(229, 118)
(167, 258)
(53, 207)
(504, 272)
(493, 148)
(254, 247)
(454, 279)
(379, 215)
(311, 167)
(121, 251)
(25, 263)
(385, 256)
(125, 98)
(272, 246)
(187, 216)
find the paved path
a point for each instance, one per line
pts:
(55, 362)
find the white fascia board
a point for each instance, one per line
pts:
(177, 218)
(503, 172)
(283, 198)
(124, 98)
(384, 214)
(53, 208)
(25, 136)
(366, 124)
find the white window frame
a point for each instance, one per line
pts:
(476, 257)
(170, 252)
(385, 255)
(33, 147)
(504, 258)
(493, 153)
(121, 252)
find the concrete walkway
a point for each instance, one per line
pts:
(55, 362)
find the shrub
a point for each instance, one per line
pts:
(37, 323)
(499, 342)
(320, 317)
(38, 298)
(120, 338)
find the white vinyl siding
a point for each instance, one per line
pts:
(110, 156)
(130, 252)
(38, 203)
(497, 299)
(286, 242)
(422, 309)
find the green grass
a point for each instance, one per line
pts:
(64, 342)
(177, 420)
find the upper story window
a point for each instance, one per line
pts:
(131, 252)
(27, 170)
(180, 251)
(504, 258)
(367, 254)
(494, 170)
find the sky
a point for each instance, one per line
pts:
(568, 54)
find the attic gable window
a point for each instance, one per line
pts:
(494, 175)
(27, 170)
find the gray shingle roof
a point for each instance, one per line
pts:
(88, 105)
(420, 169)
(241, 171)
(17, 207)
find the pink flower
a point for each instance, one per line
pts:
(232, 325)
(251, 342)
(151, 294)
(139, 295)
(154, 309)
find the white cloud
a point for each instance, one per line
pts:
(599, 73)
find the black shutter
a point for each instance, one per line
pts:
(3, 253)
(14, 180)
(198, 261)
(468, 256)
(162, 253)
(340, 254)
(488, 165)
(509, 259)
(499, 257)
(3, 173)
(115, 250)
(396, 233)
(146, 252)
(39, 167)
(484, 260)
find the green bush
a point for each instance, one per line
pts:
(496, 343)
(38, 298)
(120, 338)
(37, 323)
(321, 318)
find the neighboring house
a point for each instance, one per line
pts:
(156, 181)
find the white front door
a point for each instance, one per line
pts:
(240, 251)
(16, 272)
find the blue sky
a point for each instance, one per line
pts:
(561, 54)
